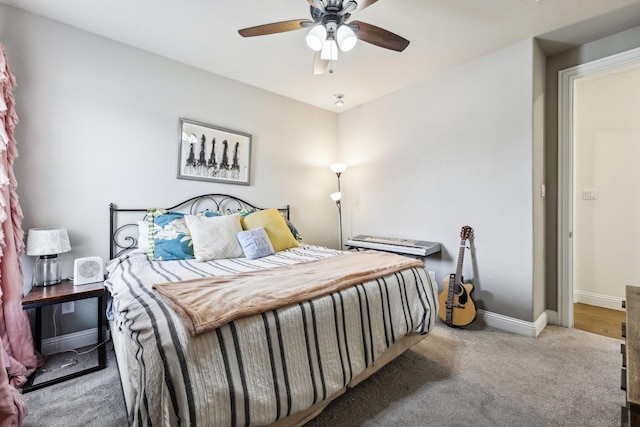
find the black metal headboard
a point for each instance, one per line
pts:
(123, 233)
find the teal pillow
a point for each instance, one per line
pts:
(169, 238)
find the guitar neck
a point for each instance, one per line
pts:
(460, 261)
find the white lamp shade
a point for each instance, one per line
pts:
(329, 50)
(336, 196)
(47, 241)
(316, 37)
(338, 167)
(346, 38)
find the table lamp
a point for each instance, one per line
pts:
(46, 244)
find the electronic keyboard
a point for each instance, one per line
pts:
(390, 244)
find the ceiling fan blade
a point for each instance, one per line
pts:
(276, 27)
(320, 66)
(378, 36)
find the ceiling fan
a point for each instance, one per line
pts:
(330, 31)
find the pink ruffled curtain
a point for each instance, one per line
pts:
(17, 358)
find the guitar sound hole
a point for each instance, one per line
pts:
(461, 293)
(462, 299)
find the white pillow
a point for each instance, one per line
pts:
(143, 236)
(255, 243)
(214, 237)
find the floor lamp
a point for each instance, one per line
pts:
(338, 168)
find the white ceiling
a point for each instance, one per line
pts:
(443, 34)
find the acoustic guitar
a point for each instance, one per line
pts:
(456, 306)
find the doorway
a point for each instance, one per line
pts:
(599, 190)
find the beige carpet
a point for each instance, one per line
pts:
(486, 377)
(455, 377)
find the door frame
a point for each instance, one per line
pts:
(566, 84)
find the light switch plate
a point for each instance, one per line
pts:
(589, 194)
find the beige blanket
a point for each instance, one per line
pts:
(211, 302)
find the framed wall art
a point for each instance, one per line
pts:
(211, 153)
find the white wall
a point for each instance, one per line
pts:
(99, 124)
(453, 150)
(607, 155)
(539, 195)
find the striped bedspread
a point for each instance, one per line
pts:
(258, 369)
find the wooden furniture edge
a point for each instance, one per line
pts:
(632, 349)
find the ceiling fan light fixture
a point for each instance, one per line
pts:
(316, 37)
(330, 30)
(329, 50)
(346, 38)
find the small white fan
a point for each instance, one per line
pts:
(87, 270)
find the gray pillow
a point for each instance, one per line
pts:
(255, 243)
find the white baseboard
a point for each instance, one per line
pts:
(70, 341)
(517, 326)
(598, 300)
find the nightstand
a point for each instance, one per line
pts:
(56, 294)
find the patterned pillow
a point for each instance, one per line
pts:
(246, 211)
(241, 211)
(255, 243)
(275, 226)
(169, 238)
(215, 237)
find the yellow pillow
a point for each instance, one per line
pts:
(275, 226)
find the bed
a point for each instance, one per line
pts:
(278, 362)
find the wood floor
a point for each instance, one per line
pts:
(601, 321)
